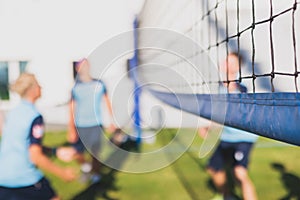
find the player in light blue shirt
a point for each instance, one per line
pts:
(235, 145)
(88, 97)
(86, 123)
(22, 152)
(234, 135)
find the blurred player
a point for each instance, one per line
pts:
(235, 145)
(86, 118)
(22, 152)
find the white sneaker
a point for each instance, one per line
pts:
(86, 168)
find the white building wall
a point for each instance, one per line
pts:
(53, 34)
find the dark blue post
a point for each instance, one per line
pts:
(133, 63)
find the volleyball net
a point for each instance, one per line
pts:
(182, 44)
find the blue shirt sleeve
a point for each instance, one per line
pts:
(37, 131)
(104, 86)
(72, 94)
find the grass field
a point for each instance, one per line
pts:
(186, 178)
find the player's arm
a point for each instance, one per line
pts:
(42, 161)
(108, 104)
(203, 131)
(39, 158)
(72, 136)
(112, 127)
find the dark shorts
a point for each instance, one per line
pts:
(230, 154)
(89, 138)
(42, 190)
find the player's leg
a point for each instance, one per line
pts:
(218, 178)
(80, 149)
(247, 186)
(91, 140)
(85, 166)
(216, 170)
(96, 137)
(241, 172)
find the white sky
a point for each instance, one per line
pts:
(64, 23)
(50, 34)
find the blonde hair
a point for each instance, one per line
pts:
(21, 85)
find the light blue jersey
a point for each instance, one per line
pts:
(19, 132)
(87, 97)
(235, 135)
(230, 134)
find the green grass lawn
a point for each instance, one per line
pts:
(186, 178)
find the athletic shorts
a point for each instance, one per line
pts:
(90, 138)
(230, 154)
(42, 190)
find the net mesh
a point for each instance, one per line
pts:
(264, 33)
(188, 40)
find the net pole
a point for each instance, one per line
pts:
(137, 90)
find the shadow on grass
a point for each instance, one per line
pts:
(179, 171)
(99, 189)
(107, 183)
(290, 181)
(188, 185)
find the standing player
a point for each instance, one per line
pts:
(86, 124)
(21, 150)
(235, 144)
